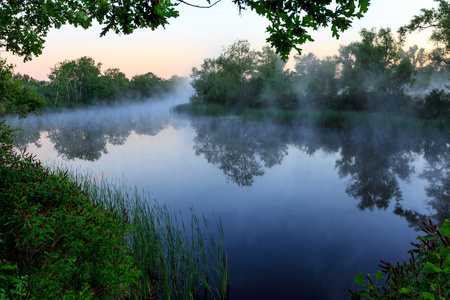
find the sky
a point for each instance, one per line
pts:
(198, 34)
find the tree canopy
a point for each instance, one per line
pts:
(24, 25)
(437, 19)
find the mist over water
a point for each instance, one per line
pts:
(304, 209)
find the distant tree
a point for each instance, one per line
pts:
(422, 64)
(206, 81)
(374, 65)
(148, 85)
(74, 81)
(318, 78)
(14, 99)
(270, 84)
(438, 19)
(226, 79)
(24, 25)
(116, 84)
(417, 56)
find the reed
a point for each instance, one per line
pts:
(175, 260)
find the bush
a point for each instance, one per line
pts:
(425, 276)
(435, 105)
(54, 243)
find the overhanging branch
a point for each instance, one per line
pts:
(199, 6)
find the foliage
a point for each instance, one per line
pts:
(375, 63)
(81, 82)
(115, 83)
(14, 97)
(375, 66)
(175, 261)
(439, 20)
(319, 79)
(74, 81)
(290, 20)
(54, 243)
(271, 86)
(425, 276)
(148, 85)
(225, 79)
(25, 25)
(436, 105)
(242, 77)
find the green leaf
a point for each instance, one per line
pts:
(427, 295)
(445, 251)
(430, 267)
(379, 275)
(358, 280)
(404, 291)
(445, 228)
(446, 261)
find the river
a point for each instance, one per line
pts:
(304, 210)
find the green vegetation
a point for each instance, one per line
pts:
(439, 20)
(426, 275)
(24, 26)
(174, 260)
(54, 242)
(372, 76)
(80, 82)
(66, 235)
(14, 97)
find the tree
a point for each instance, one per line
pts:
(375, 65)
(270, 84)
(422, 65)
(318, 77)
(225, 79)
(75, 81)
(116, 83)
(24, 25)
(439, 21)
(148, 85)
(14, 99)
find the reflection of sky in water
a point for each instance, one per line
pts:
(293, 234)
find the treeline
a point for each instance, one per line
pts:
(81, 82)
(373, 74)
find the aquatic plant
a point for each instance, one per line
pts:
(426, 275)
(175, 260)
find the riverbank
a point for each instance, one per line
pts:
(318, 118)
(70, 234)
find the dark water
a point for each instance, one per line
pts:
(304, 210)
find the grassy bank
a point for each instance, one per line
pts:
(175, 260)
(70, 235)
(325, 118)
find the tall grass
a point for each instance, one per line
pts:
(175, 261)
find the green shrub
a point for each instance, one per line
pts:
(425, 276)
(54, 243)
(435, 105)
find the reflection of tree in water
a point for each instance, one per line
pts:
(437, 173)
(73, 141)
(241, 150)
(374, 163)
(85, 134)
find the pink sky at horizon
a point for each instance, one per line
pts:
(198, 34)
